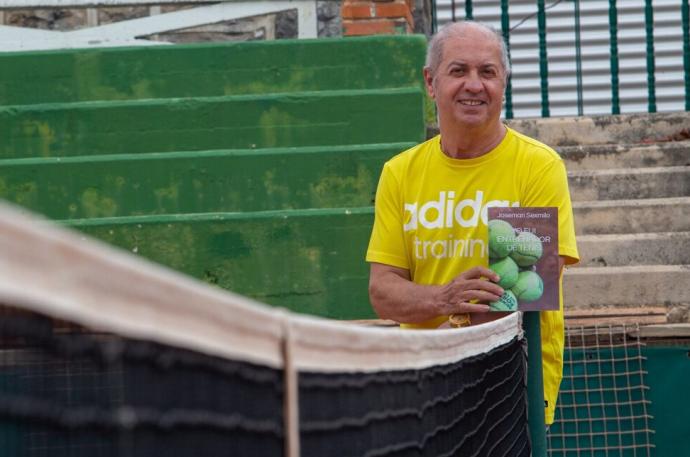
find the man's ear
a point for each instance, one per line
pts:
(428, 82)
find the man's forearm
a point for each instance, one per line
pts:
(401, 300)
(394, 296)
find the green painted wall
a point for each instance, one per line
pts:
(601, 385)
(668, 374)
(307, 260)
(599, 406)
(200, 70)
(252, 166)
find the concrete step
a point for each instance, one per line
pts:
(627, 286)
(210, 69)
(605, 156)
(612, 129)
(667, 248)
(239, 180)
(620, 184)
(632, 216)
(296, 119)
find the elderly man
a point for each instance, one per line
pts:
(476, 162)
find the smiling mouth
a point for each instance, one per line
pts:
(471, 102)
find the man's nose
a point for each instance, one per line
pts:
(473, 83)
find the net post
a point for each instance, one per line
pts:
(290, 395)
(535, 384)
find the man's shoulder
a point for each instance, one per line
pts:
(403, 159)
(534, 147)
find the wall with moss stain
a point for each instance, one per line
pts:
(250, 166)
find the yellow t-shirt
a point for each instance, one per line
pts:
(431, 219)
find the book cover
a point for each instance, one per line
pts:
(523, 250)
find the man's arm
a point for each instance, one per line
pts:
(394, 296)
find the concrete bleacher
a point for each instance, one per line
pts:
(252, 166)
(210, 70)
(629, 179)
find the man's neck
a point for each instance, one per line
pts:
(460, 143)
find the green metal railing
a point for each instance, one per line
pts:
(685, 12)
(505, 29)
(578, 60)
(613, 27)
(543, 63)
(541, 15)
(649, 34)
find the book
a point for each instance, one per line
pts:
(523, 251)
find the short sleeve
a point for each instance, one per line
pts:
(549, 187)
(387, 243)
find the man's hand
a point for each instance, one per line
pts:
(394, 296)
(463, 293)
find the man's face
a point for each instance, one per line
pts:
(469, 83)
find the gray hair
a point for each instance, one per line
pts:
(434, 52)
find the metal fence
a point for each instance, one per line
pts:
(603, 403)
(582, 57)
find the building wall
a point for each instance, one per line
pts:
(266, 27)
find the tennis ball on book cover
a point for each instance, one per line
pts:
(507, 302)
(529, 286)
(527, 250)
(501, 238)
(507, 269)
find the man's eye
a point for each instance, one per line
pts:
(456, 71)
